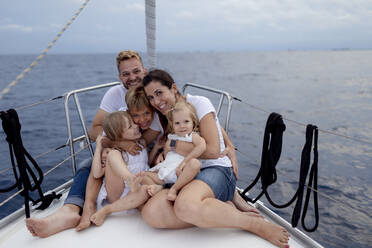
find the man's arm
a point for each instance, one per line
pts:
(96, 127)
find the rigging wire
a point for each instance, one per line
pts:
(303, 124)
(342, 203)
(6, 90)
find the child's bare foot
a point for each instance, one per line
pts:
(172, 194)
(134, 183)
(99, 217)
(88, 210)
(66, 217)
(153, 189)
(273, 233)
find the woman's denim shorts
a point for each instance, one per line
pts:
(220, 179)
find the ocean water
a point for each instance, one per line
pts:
(330, 89)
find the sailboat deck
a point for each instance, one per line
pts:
(130, 230)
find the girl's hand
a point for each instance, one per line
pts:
(180, 168)
(99, 139)
(230, 152)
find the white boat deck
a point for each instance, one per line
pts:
(129, 230)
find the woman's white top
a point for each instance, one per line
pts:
(203, 107)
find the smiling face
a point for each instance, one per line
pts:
(161, 97)
(131, 72)
(142, 117)
(130, 131)
(182, 123)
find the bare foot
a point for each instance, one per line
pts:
(172, 194)
(99, 217)
(153, 189)
(273, 233)
(88, 210)
(242, 205)
(64, 218)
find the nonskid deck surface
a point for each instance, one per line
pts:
(129, 230)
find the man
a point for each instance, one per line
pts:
(131, 73)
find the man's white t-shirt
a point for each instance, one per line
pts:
(204, 106)
(114, 99)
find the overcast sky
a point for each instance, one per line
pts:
(107, 26)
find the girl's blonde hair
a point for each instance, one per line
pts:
(183, 106)
(114, 123)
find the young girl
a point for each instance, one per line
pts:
(119, 167)
(183, 125)
(183, 122)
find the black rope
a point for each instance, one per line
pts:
(271, 150)
(12, 129)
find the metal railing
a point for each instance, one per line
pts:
(223, 94)
(67, 96)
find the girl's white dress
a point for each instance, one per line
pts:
(167, 169)
(136, 164)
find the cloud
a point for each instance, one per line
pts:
(130, 7)
(17, 28)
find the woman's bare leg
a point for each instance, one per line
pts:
(158, 212)
(242, 205)
(64, 218)
(196, 204)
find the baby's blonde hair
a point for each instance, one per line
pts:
(114, 123)
(183, 106)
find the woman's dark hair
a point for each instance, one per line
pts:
(158, 75)
(166, 80)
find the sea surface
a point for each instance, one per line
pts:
(329, 89)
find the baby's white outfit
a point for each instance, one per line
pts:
(167, 169)
(136, 164)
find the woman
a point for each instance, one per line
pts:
(202, 202)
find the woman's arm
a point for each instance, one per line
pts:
(97, 168)
(209, 131)
(230, 151)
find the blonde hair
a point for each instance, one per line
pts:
(127, 54)
(114, 123)
(136, 99)
(183, 106)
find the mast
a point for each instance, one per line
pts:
(150, 10)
